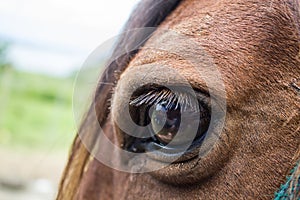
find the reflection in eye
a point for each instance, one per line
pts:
(164, 110)
(168, 118)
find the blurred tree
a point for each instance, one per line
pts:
(4, 62)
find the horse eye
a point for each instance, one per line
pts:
(169, 118)
(166, 114)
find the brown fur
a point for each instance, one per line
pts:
(255, 45)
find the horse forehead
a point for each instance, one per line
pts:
(230, 25)
(244, 39)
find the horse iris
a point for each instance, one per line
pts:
(165, 122)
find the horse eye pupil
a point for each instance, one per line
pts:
(165, 122)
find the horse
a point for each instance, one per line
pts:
(255, 46)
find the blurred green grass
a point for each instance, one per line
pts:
(35, 110)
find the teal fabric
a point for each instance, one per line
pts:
(287, 191)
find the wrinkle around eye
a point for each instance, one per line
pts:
(196, 77)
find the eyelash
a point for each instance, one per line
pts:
(154, 97)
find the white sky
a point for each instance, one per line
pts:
(56, 36)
